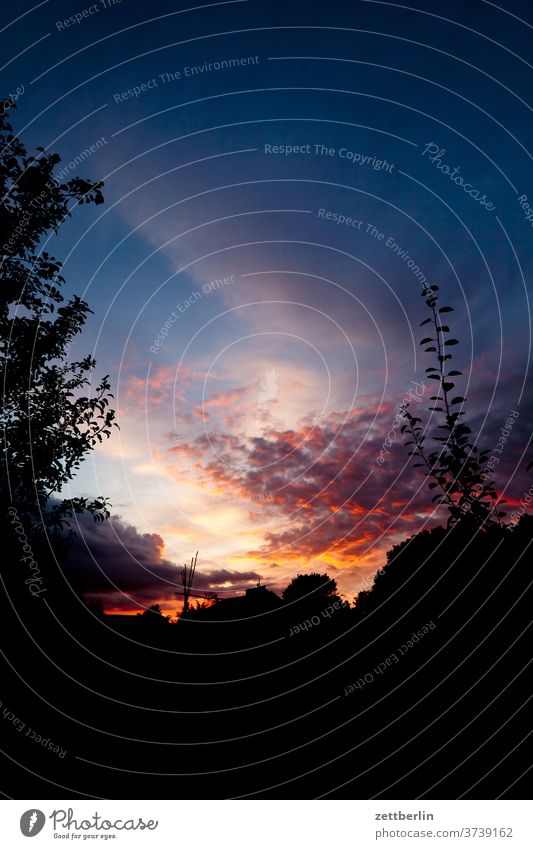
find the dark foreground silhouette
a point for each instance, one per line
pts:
(422, 690)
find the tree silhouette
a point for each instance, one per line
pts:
(49, 420)
(154, 615)
(312, 587)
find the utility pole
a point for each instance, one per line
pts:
(187, 576)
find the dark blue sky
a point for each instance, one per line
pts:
(313, 322)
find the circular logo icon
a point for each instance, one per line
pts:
(32, 822)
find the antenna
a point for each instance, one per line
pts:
(187, 577)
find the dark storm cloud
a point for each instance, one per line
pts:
(127, 569)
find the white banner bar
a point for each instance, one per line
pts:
(268, 824)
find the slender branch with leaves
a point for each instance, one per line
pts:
(456, 469)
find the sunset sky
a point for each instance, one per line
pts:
(259, 346)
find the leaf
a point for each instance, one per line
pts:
(426, 340)
(426, 321)
(447, 386)
(429, 350)
(443, 328)
(458, 400)
(452, 342)
(453, 373)
(446, 309)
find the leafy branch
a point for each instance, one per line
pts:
(49, 419)
(456, 469)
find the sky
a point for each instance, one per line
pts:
(280, 181)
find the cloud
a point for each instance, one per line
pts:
(224, 399)
(225, 580)
(128, 571)
(320, 486)
(140, 387)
